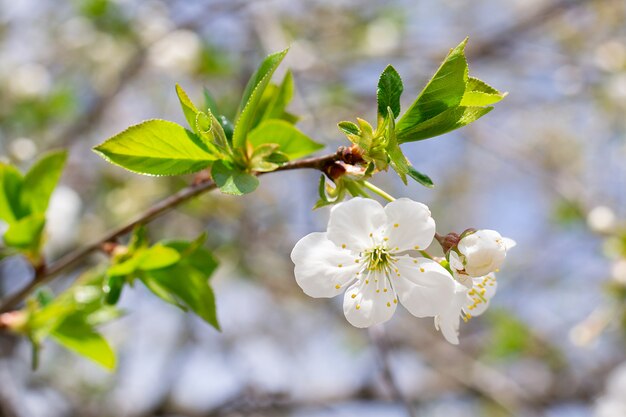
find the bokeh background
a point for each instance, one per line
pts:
(545, 168)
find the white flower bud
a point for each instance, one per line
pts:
(482, 252)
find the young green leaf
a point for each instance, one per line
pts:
(157, 147)
(479, 93)
(10, 189)
(157, 257)
(421, 178)
(396, 157)
(80, 337)
(447, 121)
(41, 180)
(444, 91)
(209, 101)
(389, 91)
(277, 105)
(189, 109)
(291, 141)
(25, 233)
(112, 289)
(349, 128)
(186, 283)
(232, 180)
(252, 96)
(194, 254)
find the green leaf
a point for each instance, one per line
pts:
(10, 189)
(113, 289)
(187, 282)
(396, 157)
(124, 268)
(479, 93)
(80, 337)
(277, 105)
(291, 141)
(157, 147)
(444, 91)
(190, 288)
(189, 109)
(232, 180)
(252, 96)
(447, 121)
(227, 127)
(194, 254)
(41, 180)
(421, 178)
(209, 101)
(389, 91)
(25, 234)
(349, 128)
(157, 257)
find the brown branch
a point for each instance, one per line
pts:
(45, 274)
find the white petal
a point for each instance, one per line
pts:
(369, 301)
(409, 225)
(483, 289)
(449, 320)
(484, 252)
(352, 222)
(424, 287)
(321, 266)
(455, 261)
(509, 243)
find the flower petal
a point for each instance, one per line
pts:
(369, 301)
(455, 261)
(424, 287)
(352, 222)
(409, 225)
(449, 320)
(509, 243)
(323, 269)
(484, 252)
(483, 289)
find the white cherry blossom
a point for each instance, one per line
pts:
(449, 320)
(471, 298)
(480, 253)
(363, 254)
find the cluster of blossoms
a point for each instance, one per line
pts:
(367, 253)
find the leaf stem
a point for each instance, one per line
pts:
(378, 191)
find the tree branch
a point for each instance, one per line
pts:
(47, 273)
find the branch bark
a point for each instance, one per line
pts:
(45, 273)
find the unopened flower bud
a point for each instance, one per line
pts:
(480, 253)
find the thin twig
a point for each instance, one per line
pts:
(45, 274)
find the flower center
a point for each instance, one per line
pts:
(378, 258)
